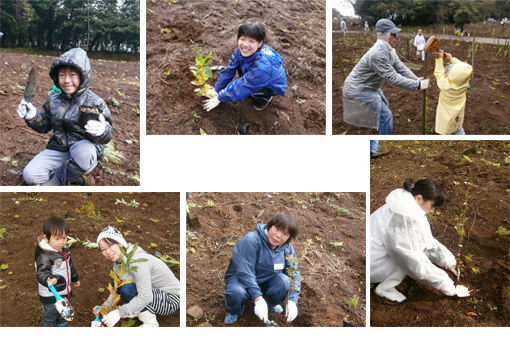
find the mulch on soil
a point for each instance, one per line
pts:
(156, 224)
(332, 275)
(452, 164)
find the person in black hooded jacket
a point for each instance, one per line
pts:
(74, 150)
(54, 265)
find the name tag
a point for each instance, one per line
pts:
(278, 266)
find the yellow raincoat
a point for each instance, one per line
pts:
(452, 99)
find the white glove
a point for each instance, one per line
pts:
(211, 103)
(261, 309)
(96, 128)
(452, 266)
(111, 318)
(424, 84)
(291, 311)
(26, 110)
(448, 288)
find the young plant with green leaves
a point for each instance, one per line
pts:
(202, 72)
(126, 265)
(291, 271)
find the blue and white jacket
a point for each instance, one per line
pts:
(263, 69)
(254, 262)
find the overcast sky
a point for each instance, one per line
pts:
(344, 7)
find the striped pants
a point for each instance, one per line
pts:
(162, 303)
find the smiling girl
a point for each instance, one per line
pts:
(401, 242)
(258, 270)
(261, 74)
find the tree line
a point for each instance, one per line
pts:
(430, 12)
(57, 25)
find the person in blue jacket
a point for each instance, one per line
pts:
(261, 74)
(262, 271)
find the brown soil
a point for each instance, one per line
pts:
(331, 275)
(19, 143)
(157, 223)
(296, 29)
(487, 105)
(451, 164)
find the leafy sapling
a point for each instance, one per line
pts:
(127, 264)
(202, 72)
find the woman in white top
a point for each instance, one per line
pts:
(401, 242)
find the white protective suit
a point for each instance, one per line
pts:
(343, 25)
(362, 92)
(401, 243)
(419, 43)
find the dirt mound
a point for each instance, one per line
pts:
(485, 252)
(295, 29)
(154, 224)
(332, 274)
(110, 79)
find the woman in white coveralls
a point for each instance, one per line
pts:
(401, 242)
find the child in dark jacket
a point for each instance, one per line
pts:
(54, 265)
(74, 150)
(261, 74)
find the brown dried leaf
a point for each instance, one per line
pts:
(472, 314)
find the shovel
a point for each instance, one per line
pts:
(31, 85)
(96, 322)
(63, 305)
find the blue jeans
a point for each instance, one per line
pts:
(273, 291)
(51, 317)
(385, 120)
(459, 132)
(374, 145)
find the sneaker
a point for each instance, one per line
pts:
(262, 103)
(378, 154)
(277, 309)
(230, 318)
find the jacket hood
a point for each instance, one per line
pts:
(460, 73)
(45, 246)
(75, 57)
(402, 202)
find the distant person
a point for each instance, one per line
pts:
(453, 82)
(72, 151)
(367, 29)
(261, 74)
(401, 242)
(260, 271)
(419, 44)
(343, 25)
(364, 102)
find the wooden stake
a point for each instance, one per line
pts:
(340, 63)
(424, 114)
(473, 58)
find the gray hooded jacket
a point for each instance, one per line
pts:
(61, 112)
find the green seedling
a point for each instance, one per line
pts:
(461, 221)
(202, 72)
(353, 302)
(116, 275)
(3, 233)
(475, 270)
(502, 231)
(170, 262)
(4, 266)
(133, 203)
(210, 203)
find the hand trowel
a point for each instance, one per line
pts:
(63, 305)
(96, 322)
(31, 85)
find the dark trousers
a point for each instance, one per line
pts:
(273, 291)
